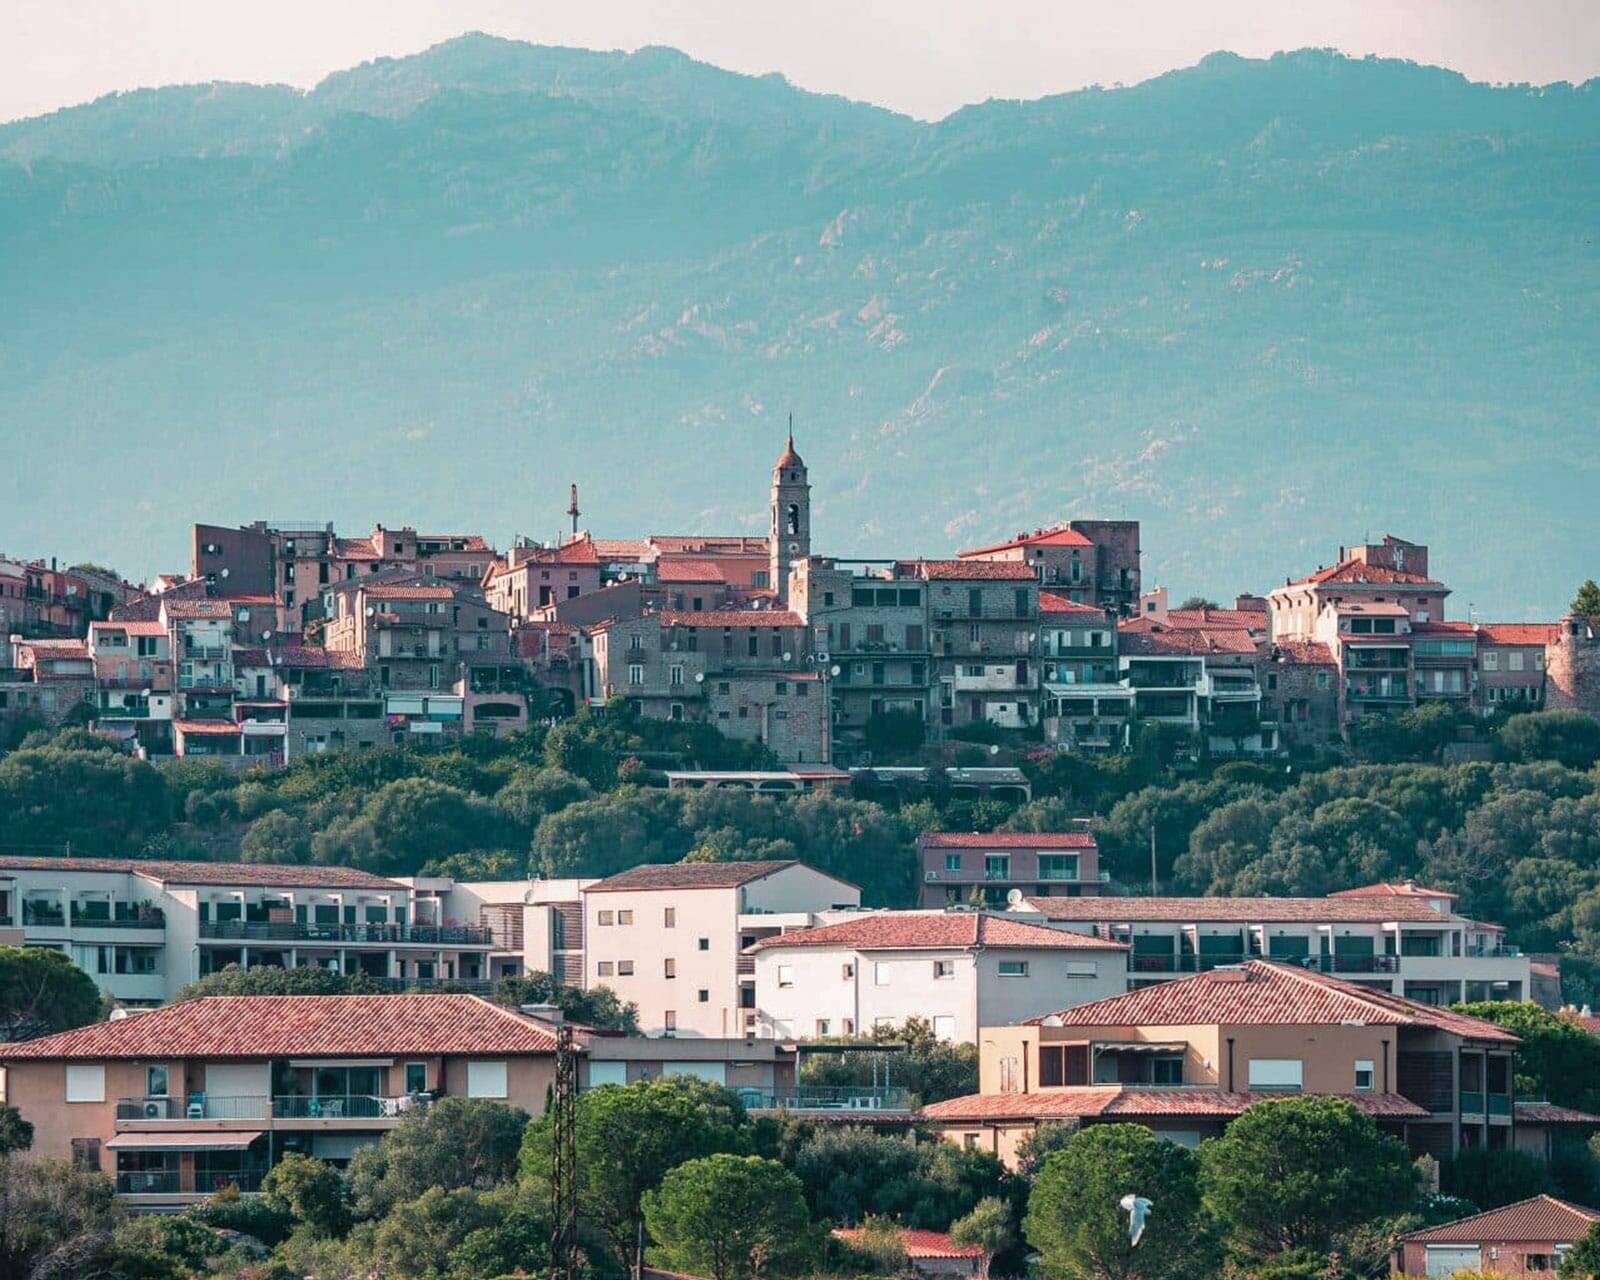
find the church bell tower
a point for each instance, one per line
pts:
(789, 538)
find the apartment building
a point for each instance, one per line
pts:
(143, 929)
(1087, 561)
(1201, 676)
(534, 577)
(1186, 1057)
(186, 1100)
(673, 938)
(965, 867)
(1086, 705)
(1403, 938)
(958, 970)
(134, 676)
(984, 620)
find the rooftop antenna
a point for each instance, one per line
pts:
(791, 430)
(572, 507)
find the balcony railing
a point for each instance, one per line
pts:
(353, 1106)
(464, 935)
(195, 1106)
(827, 1098)
(35, 916)
(153, 919)
(1471, 1102)
(1358, 964)
(1160, 962)
(288, 1106)
(156, 1182)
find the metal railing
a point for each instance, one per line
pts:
(35, 916)
(1358, 964)
(352, 1106)
(307, 931)
(154, 919)
(195, 1106)
(827, 1098)
(470, 986)
(196, 1182)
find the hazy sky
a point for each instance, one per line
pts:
(926, 57)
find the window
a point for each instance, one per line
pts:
(669, 1020)
(847, 970)
(1166, 1070)
(669, 968)
(824, 1027)
(1364, 1075)
(1013, 968)
(604, 969)
(86, 1153)
(1279, 1074)
(969, 1141)
(624, 917)
(486, 1080)
(944, 968)
(1491, 661)
(1322, 679)
(624, 968)
(675, 675)
(786, 975)
(704, 944)
(997, 866)
(669, 917)
(1514, 660)
(952, 862)
(604, 918)
(703, 996)
(1008, 1075)
(155, 1082)
(1083, 968)
(416, 1077)
(881, 1025)
(881, 974)
(635, 673)
(944, 1026)
(86, 1083)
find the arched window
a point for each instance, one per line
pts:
(794, 518)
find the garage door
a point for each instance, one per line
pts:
(1447, 1259)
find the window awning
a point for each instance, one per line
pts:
(217, 1140)
(1141, 1046)
(341, 1062)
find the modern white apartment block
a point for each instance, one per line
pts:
(959, 970)
(1402, 938)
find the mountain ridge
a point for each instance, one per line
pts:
(1260, 304)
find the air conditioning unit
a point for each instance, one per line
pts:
(930, 875)
(155, 1110)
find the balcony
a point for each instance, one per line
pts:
(125, 711)
(827, 1098)
(150, 918)
(289, 1106)
(458, 935)
(1155, 962)
(1358, 964)
(172, 1182)
(42, 916)
(205, 652)
(470, 986)
(355, 1106)
(196, 1106)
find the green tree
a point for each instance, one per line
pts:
(627, 1139)
(16, 1134)
(989, 1227)
(930, 1068)
(1198, 602)
(95, 800)
(417, 1237)
(53, 1217)
(596, 1007)
(270, 980)
(414, 819)
(894, 735)
(311, 1192)
(455, 1143)
(160, 1246)
(276, 837)
(1557, 1060)
(1294, 1173)
(1587, 601)
(41, 992)
(1036, 1147)
(1582, 1261)
(1075, 1223)
(1570, 738)
(1489, 1179)
(851, 1174)
(731, 1218)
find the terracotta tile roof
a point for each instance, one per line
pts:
(1304, 653)
(302, 1027)
(1540, 1219)
(149, 627)
(1401, 889)
(399, 591)
(190, 609)
(56, 647)
(245, 597)
(731, 618)
(689, 570)
(1353, 572)
(1550, 1113)
(1134, 1102)
(1207, 619)
(1007, 840)
(1142, 637)
(251, 658)
(1260, 992)
(1519, 633)
(917, 931)
(919, 1243)
(695, 875)
(1051, 602)
(355, 549)
(205, 728)
(224, 873)
(310, 657)
(469, 541)
(621, 548)
(966, 570)
(1057, 536)
(1120, 910)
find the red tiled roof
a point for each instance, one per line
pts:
(205, 728)
(399, 591)
(1133, 1101)
(187, 609)
(919, 1243)
(1550, 1113)
(1052, 602)
(964, 570)
(1402, 889)
(695, 875)
(1243, 619)
(141, 628)
(302, 1027)
(1304, 653)
(731, 618)
(310, 657)
(917, 931)
(621, 548)
(1542, 1219)
(1260, 992)
(251, 658)
(1007, 840)
(1108, 909)
(1142, 637)
(1519, 633)
(1357, 573)
(226, 873)
(245, 597)
(689, 570)
(1058, 536)
(355, 549)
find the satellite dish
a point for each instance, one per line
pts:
(224, 572)
(1014, 897)
(787, 655)
(371, 610)
(834, 669)
(699, 677)
(994, 748)
(266, 634)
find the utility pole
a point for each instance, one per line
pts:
(1155, 885)
(564, 1158)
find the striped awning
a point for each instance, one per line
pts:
(217, 1140)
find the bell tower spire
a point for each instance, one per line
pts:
(789, 535)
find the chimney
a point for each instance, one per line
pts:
(544, 1012)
